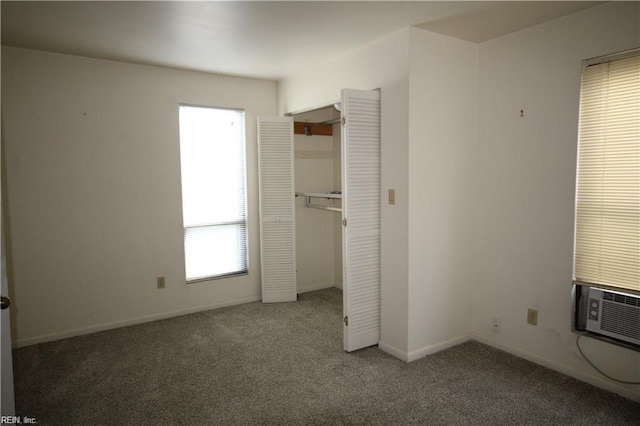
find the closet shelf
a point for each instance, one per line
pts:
(328, 195)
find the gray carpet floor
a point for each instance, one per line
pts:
(284, 364)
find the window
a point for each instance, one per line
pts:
(607, 240)
(212, 157)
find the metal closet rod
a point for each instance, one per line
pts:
(322, 123)
(307, 200)
(309, 126)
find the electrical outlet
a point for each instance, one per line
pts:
(532, 316)
(160, 282)
(495, 325)
(392, 196)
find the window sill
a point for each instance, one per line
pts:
(216, 277)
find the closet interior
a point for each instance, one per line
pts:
(318, 201)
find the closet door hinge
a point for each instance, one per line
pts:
(344, 222)
(343, 121)
(346, 320)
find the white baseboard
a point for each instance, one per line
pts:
(564, 369)
(133, 321)
(392, 350)
(427, 350)
(432, 349)
(314, 287)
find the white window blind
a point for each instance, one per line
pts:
(607, 245)
(212, 156)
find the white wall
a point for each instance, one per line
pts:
(93, 185)
(442, 118)
(382, 64)
(525, 181)
(314, 228)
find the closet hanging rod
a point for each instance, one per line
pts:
(331, 209)
(323, 123)
(309, 126)
(319, 194)
(309, 195)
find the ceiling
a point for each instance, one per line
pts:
(258, 39)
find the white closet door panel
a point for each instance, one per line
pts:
(278, 271)
(361, 208)
(277, 209)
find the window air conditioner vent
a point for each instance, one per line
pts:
(619, 319)
(610, 314)
(621, 298)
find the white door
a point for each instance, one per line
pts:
(6, 373)
(361, 193)
(277, 209)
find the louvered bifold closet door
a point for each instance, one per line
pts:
(361, 216)
(277, 209)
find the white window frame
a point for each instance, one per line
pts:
(607, 231)
(607, 214)
(203, 223)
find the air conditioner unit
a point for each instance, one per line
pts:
(609, 313)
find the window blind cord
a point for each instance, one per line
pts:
(597, 369)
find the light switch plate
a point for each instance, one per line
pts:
(392, 196)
